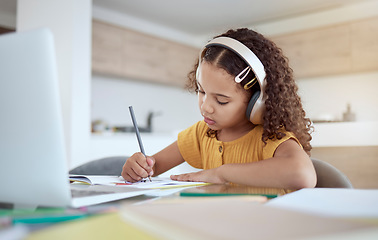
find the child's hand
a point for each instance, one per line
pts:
(209, 176)
(138, 167)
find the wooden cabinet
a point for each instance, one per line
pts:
(364, 45)
(358, 163)
(125, 53)
(333, 50)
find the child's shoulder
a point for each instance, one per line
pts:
(201, 124)
(196, 129)
(201, 127)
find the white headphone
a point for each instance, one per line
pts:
(256, 105)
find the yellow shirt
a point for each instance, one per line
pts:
(204, 152)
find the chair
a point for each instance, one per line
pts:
(102, 166)
(329, 176)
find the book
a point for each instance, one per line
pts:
(156, 183)
(95, 179)
(106, 226)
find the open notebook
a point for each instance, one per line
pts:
(33, 166)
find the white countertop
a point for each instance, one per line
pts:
(125, 144)
(341, 134)
(338, 134)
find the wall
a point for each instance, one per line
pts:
(177, 108)
(70, 22)
(327, 97)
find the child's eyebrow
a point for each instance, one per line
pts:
(216, 94)
(221, 95)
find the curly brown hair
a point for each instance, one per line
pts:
(283, 106)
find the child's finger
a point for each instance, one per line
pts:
(142, 162)
(146, 163)
(140, 171)
(151, 163)
(132, 171)
(128, 178)
(136, 173)
(129, 175)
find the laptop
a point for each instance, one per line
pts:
(33, 164)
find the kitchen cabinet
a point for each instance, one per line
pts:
(125, 53)
(333, 50)
(352, 147)
(358, 163)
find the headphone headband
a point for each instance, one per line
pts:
(242, 51)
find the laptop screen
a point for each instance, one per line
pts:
(33, 167)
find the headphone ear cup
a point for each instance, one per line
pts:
(197, 72)
(251, 104)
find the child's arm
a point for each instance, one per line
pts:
(139, 166)
(290, 168)
(167, 158)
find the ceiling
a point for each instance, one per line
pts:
(198, 17)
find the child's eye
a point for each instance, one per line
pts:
(222, 103)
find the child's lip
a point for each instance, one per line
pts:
(209, 121)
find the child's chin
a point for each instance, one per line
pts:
(213, 127)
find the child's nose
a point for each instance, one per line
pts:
(206, 106)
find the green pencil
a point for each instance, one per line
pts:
(197, 194)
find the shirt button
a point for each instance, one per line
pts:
(220, 149)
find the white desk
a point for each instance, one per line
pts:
(240, 217)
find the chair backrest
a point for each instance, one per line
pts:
(329, 176)
(103, 166)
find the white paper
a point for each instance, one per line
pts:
(156, 183)
(163, 183)
(333, 202)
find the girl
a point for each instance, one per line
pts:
(254, 130)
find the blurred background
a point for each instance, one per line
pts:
(116, 53)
